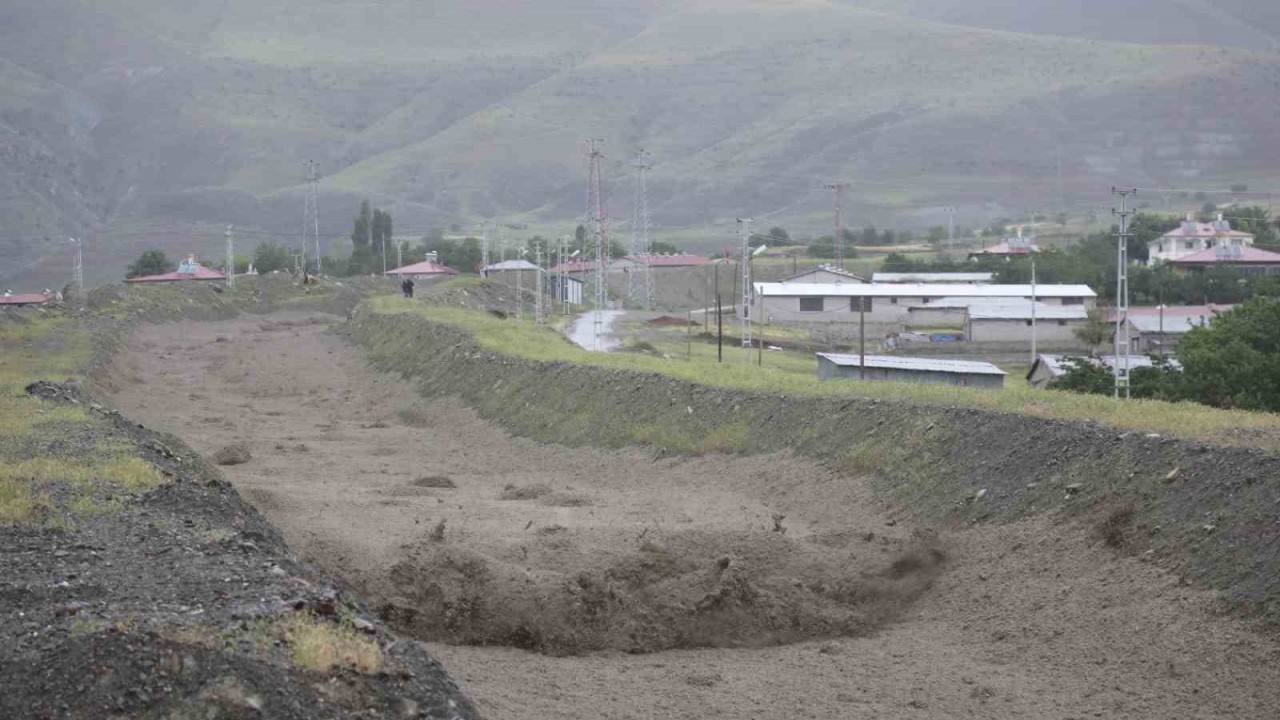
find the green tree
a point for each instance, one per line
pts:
(1258, 222)
(1083, 376)
(664, 248)
(1095, 331)
(778, 237)
(269, 257)
(1235, 362)
(361, 235)
(152, 262)
(242, 265)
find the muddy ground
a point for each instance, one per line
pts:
(678, 588)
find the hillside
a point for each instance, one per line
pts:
(137, 125)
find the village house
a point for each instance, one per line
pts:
(1157, 330)
(10, 299)
(1011, 321)
(188, 270)
(835, 309)
(1243, 259)
(824, 274)
(1018, 246)
(1192, 237)
(1048, 368)
(425, 270)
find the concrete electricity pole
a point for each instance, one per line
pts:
(595, 203)
(231, 256)
(1122, 292)
(311, 216)
(78, 270)
(745, 224)
(640, 290)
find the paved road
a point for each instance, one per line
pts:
(583, 334)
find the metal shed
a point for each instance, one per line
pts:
(885, 368)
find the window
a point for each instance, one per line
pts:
(1189, 245)
(893, 301)
(810, 304)
(1210, 243)
(1028, 323)
(1062, 323)
(853, 304)
(1072, 301)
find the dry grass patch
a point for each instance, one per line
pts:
(524, 492)
(16, 502)
(320, 646)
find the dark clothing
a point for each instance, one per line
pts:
(407, 287)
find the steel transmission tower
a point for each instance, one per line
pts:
(311, 218)
(595, 206)
(640, 289)
(1122, 292)
(839, 187)
(745, 224)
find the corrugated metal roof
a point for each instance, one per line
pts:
(926, 278)
(682, 260)
(1056, 364)
(1006, 309)
(893, 362)
(1009, 247)
(512, 265)
(920, 290)
(1170, 325)
(825, 268)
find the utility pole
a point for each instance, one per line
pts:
(951, 230)
(595, 203)
(399, 255)
(1034, 354)
(745, 224)
(231, 256)
(563, 284)
(539, 306)
(311, 216)
(484, 249)
(78, 270)
(640, 290)
(384, 250)
(862, 338)
(1122, 292)
(839, 187)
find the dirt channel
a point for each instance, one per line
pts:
(679, 588)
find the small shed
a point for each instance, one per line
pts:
(1048, 368)
(571, 291)
(888, 368)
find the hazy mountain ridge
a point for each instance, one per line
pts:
(462, 111)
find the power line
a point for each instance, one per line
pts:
(1122, 292)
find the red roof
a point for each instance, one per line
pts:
(672, 260)
(201, 273)
(1233, 255)
(423, 268)
(28, 299)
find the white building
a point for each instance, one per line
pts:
(1048, 368)
(1192, 237)
(814, 304)
(1002, 320)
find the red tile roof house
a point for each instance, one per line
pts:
(9, 299)
(1012, 247)
(189, 269)
(1248, 261)
(422, 271)
(1192, 238)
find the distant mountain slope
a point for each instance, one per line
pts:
(138, 123)
(1247, 24)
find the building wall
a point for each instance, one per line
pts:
(1048, 332)
(1173, 248)
(828, 370)
(927, 317)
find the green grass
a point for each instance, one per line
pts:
(792, 374)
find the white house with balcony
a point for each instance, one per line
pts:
(1192, 237)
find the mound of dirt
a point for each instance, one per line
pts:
(235, 454)
(669, 321)
(524, 492)
(435, 481)
(570, 592)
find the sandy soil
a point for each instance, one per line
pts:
(1034, 620)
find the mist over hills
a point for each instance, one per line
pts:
(138, 124)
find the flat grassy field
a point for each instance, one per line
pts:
(790, 374)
